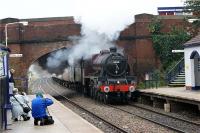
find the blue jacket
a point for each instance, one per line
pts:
(39, 106)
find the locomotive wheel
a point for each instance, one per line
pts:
(126, 98)
(96, 94)
(101, 97)
(105, 98)
(91, 92)
(85, 91)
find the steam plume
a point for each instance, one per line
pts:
(84, 47)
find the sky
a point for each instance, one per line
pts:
(104, 16)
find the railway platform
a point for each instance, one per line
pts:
(168, 97)
(66, 121)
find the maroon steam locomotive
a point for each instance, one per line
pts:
(105, 77)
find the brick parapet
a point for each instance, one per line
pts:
(41, 30)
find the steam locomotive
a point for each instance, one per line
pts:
(105, 77)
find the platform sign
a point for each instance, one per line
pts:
(16, 55)
(177, 51)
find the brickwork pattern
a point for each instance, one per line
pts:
(45, 35)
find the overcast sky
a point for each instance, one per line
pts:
(104, 15)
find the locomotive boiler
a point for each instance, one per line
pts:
(105, 77)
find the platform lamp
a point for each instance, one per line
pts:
(25, 23)
(8, 91)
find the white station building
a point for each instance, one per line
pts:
(192, 63)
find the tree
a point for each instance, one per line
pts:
(193, 6)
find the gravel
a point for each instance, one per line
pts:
(130, 123)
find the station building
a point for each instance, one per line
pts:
(178, 10)
(192, 63)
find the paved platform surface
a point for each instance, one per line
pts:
(177, 92)
(66, 121)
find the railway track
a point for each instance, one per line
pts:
(64, 99)
(153, 118)
(172, 123)
(160, 113)
(175, 124)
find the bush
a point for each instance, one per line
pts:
(141, 85)
(164, 43)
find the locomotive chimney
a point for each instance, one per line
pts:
(113, 49)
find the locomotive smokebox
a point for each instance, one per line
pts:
(113, 49)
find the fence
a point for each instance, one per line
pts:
(3, 98)
(151, 84)
(154, 80)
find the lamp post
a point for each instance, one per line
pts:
(7, 104)
(25, 23)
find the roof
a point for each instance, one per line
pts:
(169, 8)
(9, 20)
(193, 42)
(49, 19)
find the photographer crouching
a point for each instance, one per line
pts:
(40, 112)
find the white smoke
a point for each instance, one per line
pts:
(35, 72)
(90, 43)
(65, 75)
(56, 58)
(101, 23)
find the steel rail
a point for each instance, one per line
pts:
(120, 130)
(156, 122)
(160, 113)
(177, 130)
(148, 119)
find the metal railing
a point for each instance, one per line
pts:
(178, 68)
(152, 82)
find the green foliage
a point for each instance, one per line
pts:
(159, 77)
(155, 26)
(196, 23)
(141, 85)
(193, 6)
(164, 43)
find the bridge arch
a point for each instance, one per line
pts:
(31, 53)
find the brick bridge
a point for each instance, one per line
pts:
(40, 37)
(45, 35)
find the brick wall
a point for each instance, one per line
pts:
(44, 35)
(41, 30)
(41, 36)
(137, 43)
(31, 52)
